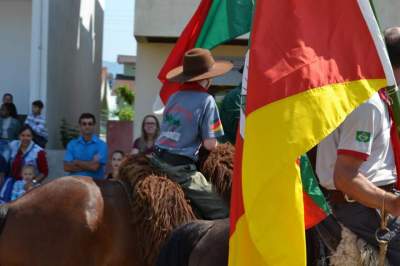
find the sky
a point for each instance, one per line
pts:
(118, 29)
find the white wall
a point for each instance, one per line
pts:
(15, 50)
(74, 62)
(162, 18)
(388, 12)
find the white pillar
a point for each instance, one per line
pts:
(39, 41)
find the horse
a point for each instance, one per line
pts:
(198, 243)
(78, 221)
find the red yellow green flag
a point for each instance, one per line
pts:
(213, 23)
(311, 63)
(316, 208)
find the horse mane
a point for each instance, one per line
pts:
(135, 168)
(217, 167)
(158, 205)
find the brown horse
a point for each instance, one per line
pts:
(70, 221)
(76, 221)
(198, 243)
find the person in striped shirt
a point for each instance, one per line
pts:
(38, 123)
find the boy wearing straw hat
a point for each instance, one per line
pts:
(191, 120)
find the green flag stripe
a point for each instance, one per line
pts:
(310, 184)
(374, 11)
(226, 20)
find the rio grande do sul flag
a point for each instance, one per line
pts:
(311, 63)
(213, 23)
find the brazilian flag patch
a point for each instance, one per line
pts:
(363, 136)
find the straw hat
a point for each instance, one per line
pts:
(198, 64)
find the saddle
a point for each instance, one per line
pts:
(344, 246)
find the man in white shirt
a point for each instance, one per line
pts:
(356, 165)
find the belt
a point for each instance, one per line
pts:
(336, 196)
(171, 158)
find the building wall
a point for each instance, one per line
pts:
(150, 58)
(162, 18)
(74, 62)
(388, 12)
(15, 51)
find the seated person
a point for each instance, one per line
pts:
(191, 120)
(150, 131)
(26, 151)
(9, 127)
(6, 182)
(38, 124)
(21, 186)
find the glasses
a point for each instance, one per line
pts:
(87, 124)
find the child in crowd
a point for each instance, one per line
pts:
(38, 123)
(116, 160)
(21, 186)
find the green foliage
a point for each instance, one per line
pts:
(125, 113)
(67, 132)
(127, 99)
(126, 95)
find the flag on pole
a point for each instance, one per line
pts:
(316, 209)
(213, 23)
(311, 63)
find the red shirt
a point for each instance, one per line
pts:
(17, 164)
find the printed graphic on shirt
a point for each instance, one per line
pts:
(216, 126)
(172, 121)
(171, 135)
(363, 136)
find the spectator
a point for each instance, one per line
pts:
(116, 160)
(8, 98)
(150, 131)
(6, 182)
(86, 155)
(21, 186)
(26, 152)
(38, 123)
(9, 128)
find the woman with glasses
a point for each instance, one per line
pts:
(150, 131)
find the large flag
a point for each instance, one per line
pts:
(213, 23)
(311, 63)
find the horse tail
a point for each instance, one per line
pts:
(3, 216)
(179, 246)
(217, 167)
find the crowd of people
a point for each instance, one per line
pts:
(23, 162)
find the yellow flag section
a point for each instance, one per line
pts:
(311, 64)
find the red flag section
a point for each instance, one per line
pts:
(186, 41)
